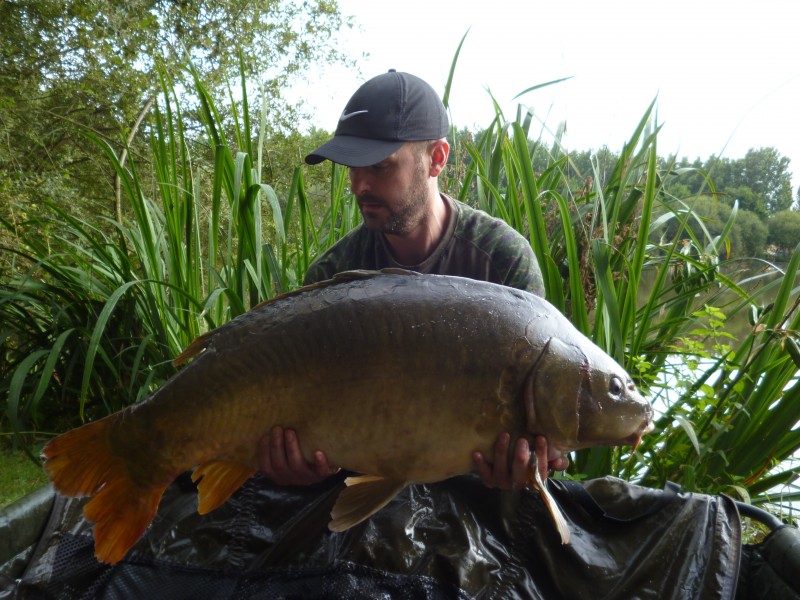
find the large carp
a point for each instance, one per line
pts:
(395, 375)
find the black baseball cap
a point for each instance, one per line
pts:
(384, 113)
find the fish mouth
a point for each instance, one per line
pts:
(635, 439)
(646, 427)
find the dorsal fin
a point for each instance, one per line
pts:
(201, 342)
(193, 349)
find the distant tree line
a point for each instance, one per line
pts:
(759, 185)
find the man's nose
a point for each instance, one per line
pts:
(359, 182)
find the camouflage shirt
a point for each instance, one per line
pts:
(475, 245)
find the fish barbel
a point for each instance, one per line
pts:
(397, 376)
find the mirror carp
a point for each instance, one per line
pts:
(397, 376)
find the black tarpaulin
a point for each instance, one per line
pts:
(454, 539)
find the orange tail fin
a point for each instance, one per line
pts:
(81, 463)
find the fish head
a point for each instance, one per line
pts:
(578, 396)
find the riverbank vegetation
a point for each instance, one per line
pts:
(94, 304)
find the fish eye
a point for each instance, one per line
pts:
(615, 386)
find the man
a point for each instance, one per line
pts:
(391, 135)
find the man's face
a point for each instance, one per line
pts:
(393, 194)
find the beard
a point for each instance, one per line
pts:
(407, 215)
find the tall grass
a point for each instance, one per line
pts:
(93, 319)
(597, 236)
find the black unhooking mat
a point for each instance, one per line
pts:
(454, 539)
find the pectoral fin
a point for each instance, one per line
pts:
(363, 497)
(535, 480)
(218, 481)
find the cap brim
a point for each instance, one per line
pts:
(352, 151)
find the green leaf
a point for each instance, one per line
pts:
(690, 433)
(94, 341)
(16, 387)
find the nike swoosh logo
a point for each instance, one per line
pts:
(344, 116)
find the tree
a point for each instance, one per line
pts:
(691, 174)
(784, 230)
(94, 64)
(760, 182)
(747, 237)
(747, 198)
(767, 173)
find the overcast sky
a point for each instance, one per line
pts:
(726, 74)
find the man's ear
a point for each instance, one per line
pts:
(439, 151)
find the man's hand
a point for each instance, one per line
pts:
(498, 474)
(280, 459)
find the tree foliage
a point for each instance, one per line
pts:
(784, 230)
(95, 65)
(761, 182)
(748, 233)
